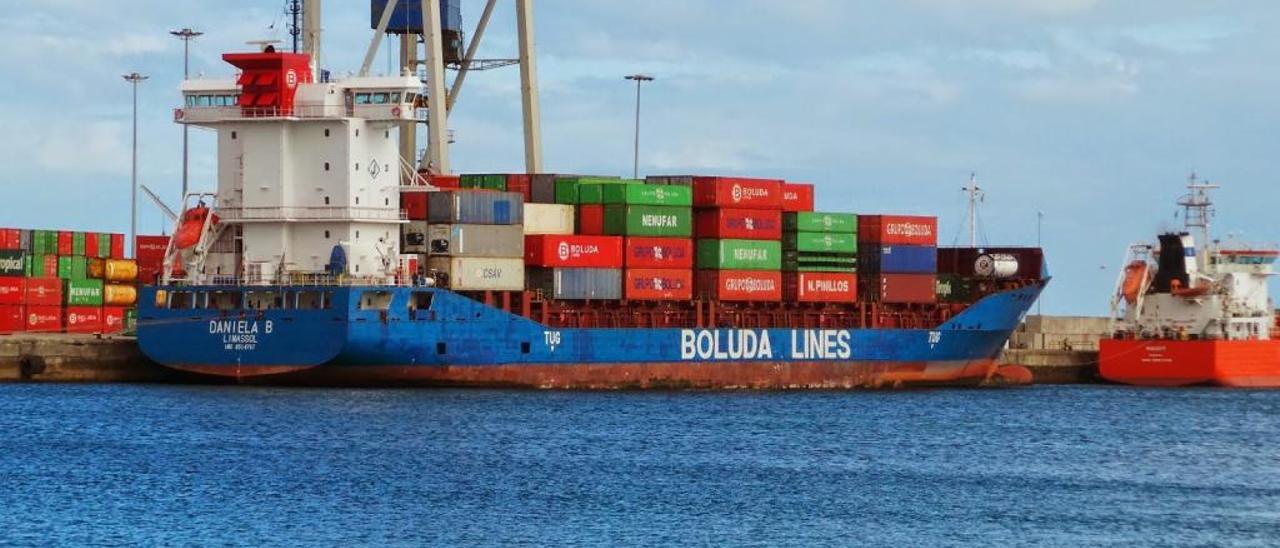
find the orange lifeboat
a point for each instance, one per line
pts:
(192, 225)
(1178, 291)
(1135, 277)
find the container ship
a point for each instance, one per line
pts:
(1191, 311)
(326, 257)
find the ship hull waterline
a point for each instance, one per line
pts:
(1167, 363)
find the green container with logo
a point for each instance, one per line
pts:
(642, 194)
(64, 267)
(832, 223)
(658, 221)
(814, 242)
(739, 255)
(82, 292)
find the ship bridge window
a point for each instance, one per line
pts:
(204, 101)
(410, 97)
(380, 98)
(362, 98)
(375, 300)
(395, 97)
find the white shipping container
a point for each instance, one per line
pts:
(479, 273)
(548, 219)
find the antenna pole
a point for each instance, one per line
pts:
(975, 194)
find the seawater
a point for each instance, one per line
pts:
(1064, 466)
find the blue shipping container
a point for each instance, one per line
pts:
(475, 207)
(407, 16)
(901, 259)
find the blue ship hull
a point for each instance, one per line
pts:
(400, 335)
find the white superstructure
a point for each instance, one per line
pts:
(1189, 288)
(303, 167)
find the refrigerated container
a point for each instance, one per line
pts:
(479, 273)
(467, 240)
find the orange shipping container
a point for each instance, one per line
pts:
(821, 287)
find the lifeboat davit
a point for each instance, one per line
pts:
(1135, 277)
(192, 226)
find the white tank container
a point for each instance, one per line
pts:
(996, 265)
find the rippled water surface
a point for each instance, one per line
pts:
(99, 464)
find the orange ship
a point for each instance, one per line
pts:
(1188, 316)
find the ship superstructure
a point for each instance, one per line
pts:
(1184, 309)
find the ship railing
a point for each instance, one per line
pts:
(302, 213)
(301, 279)
(199, 114)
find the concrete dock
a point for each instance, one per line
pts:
(1058, 349)
(78, 358)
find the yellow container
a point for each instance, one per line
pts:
(120, 270)
(96, 268)
(119, 295)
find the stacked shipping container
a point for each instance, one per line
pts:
(899, 258)
(60, 281)
(739, 231)
(821, 257)
(475, 238)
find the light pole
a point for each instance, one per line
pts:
(1039, 225)
(186, 35)
(134, 79)
(639, 79)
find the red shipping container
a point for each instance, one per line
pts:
(659, 253)
(558, 251)
(65, 246)
(13, 290)
(739, 224)
(591, 220)
(91, 244)
(649, 284)
(44, 292)
(737, 192)
(414, 205)
(521, 183)
(898, 229)
(150, 249)
(821, 287)
(740, 285)
(83, 319)
(51, 266)
(12, 319)
(117, 246)
(44, 319)
(904, 288)
(113, 319)
(797, 197)
(10, 239)
(446, 181)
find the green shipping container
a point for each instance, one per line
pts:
(813, 242)
(82, 292)
(739, 255)
(592, 190)
(28, 263)
(660, 221)
(77, 244)
(833, 223)
(567, 191)
(641, 194)
(488, 182)
(842, 269)
(64, 267)
(104, 245)
(79, 267)
(39, 242)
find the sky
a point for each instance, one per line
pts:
(1092, 112)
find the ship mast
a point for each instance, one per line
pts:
(1197, 208)
(975, 196)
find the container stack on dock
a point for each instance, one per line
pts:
(65, 282)
(898, 258)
